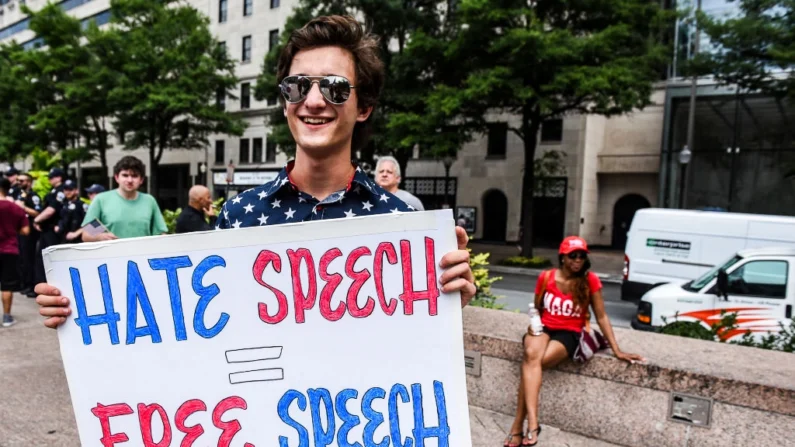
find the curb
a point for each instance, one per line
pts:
(605, 277)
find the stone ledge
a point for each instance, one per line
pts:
(736, 375)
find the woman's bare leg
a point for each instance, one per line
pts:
(554, 353)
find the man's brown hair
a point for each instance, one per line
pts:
(130, 163)
(343, 32)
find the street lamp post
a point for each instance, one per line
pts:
(684, 160)
(448, 162)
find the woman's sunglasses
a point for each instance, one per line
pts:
(335, 89)
(577, 255)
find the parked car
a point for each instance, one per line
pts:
(757, 284)
(665, 245)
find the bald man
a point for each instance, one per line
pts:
(200, 208)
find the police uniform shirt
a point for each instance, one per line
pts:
(54, 199)
(14, 191)
(31, 200)
(72, 216)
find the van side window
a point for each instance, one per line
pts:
(760, 278)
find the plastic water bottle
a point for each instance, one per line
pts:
(536, 328)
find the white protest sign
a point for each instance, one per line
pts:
(330, 333)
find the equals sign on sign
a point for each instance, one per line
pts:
(248, 355)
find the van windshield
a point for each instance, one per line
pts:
(701, 282)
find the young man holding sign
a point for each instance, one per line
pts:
(330, 78)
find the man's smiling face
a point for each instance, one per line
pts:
(318, 127)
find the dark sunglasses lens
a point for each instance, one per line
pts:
(335, 89)
(295, 88)
(577, 255)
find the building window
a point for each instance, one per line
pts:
(256, 150)
(222, 46)
(220, 98)
(248, 7)
(246, 56)
(270, 151)
(274, 4)
(498, 140)
(273, 39)
(222, 6)
(244, 155)
(552, 131)
(245, 95)
(120, 137)
(220, 145)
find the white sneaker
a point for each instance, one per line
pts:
(8, 320)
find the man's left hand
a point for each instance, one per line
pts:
(457, 276)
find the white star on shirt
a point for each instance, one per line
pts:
(289, 213)
(395, 210)
(236, 200)
(357, 189)
(226, 213)
(301, 199)
(367, 205)
(236, 224)
(384, 198)
(276, 203)
(358, 169)
(249, 208)
(342, 196)
(285, 180)
(350, 213)
(263, 219)
(262, 195)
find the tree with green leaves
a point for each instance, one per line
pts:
(17, 137)
(170, 68)
(395, 129)
(50, 70)
(543, 60)
(73, 79)
(754, 50)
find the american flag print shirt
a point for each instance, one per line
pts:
(280, 201)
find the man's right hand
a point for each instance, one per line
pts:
(106, 236)
(52, 305)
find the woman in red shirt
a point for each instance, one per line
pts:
(567, 295)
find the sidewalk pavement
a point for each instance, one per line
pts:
(36, 409)
(607, 264)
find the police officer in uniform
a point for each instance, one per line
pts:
(12, 174)
(31, 203)
(72, 214)
(47, 220)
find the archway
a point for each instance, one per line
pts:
(623, 213)
(495, 215)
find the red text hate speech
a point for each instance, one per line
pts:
(306, 299)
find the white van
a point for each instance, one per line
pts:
(757, 285)
(666, 245)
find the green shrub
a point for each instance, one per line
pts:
(483, 297)
(537, 262)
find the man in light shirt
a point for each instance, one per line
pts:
(387, 175)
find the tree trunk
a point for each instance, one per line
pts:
(152, 171)
(403, 160)
(528, 185)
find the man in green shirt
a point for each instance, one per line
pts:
(125, 211)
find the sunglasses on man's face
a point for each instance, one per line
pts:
(335, 89)
(578, 255)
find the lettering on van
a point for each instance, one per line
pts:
(673, 245)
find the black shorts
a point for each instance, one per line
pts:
(10, 280)
(569, 339)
